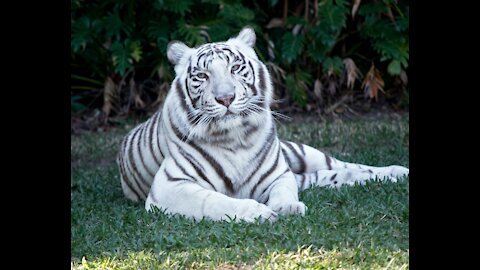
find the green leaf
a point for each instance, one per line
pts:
(394, 68)
(113, 25)
(272, 3)
(85, 79)
(121, 57)
(81, 34)
(334, 64)
(335, 17)
(136, 51)
(236, 12)
(297, 86)
(177, 6)
(291, 46)
(191, 34)
(75, 105)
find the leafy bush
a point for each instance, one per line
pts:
(316, 50)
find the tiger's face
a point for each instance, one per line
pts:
(222, 81)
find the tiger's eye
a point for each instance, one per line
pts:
(202, 75)
(235, 67)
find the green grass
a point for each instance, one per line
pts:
(360, 227)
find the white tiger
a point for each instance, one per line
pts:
(213, 151)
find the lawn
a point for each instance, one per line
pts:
(360, 227)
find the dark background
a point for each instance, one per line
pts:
(326, 58)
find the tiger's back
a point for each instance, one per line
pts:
(140, 156)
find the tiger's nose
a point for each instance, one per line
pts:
(225, 100)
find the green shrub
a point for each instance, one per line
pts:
(315, 54)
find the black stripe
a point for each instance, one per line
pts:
(218, 169)
(261, 79)
(265, 190)
(174, 179)
(152, 196)
(328, 160)
(243, 57)
(261, 154)
(266, 174)
(124, 177)
(333, 177)
(230, 51)
(251, 129)
(207, 60)
(219, 133)
(285, 155)
(181, 95)
(183, 169)
(131, 164)
(150, 140)
(183, 102)
(140, 140)
(157, 120)
(302, 148)
(175, 129)
(254, 89)
(192, 101)
(198, 168)
(297, 155)
(200, 55)
(303, 181)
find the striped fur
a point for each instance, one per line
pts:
(213, 151)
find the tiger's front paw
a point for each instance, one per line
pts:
(251, 210)
(289, 208)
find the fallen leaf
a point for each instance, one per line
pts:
(332, 85)
(111, 97)
(352, 72)
(372, 83)
(355, 6)
(274, 22)
(317, 89)
(136, 95)
(404, 77)
(339, 109)
(296, 29)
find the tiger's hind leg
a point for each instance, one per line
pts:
(337, 178)
(314, 168)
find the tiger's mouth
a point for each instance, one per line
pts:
(229, 115)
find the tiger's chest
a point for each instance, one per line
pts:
(239, 167)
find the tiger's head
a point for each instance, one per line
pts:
(221, 82)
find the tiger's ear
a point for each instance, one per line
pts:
(247, 35)
(175, 51)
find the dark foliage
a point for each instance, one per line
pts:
(323, 54)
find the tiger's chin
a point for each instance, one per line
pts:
(228, 119)
(227, 116)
